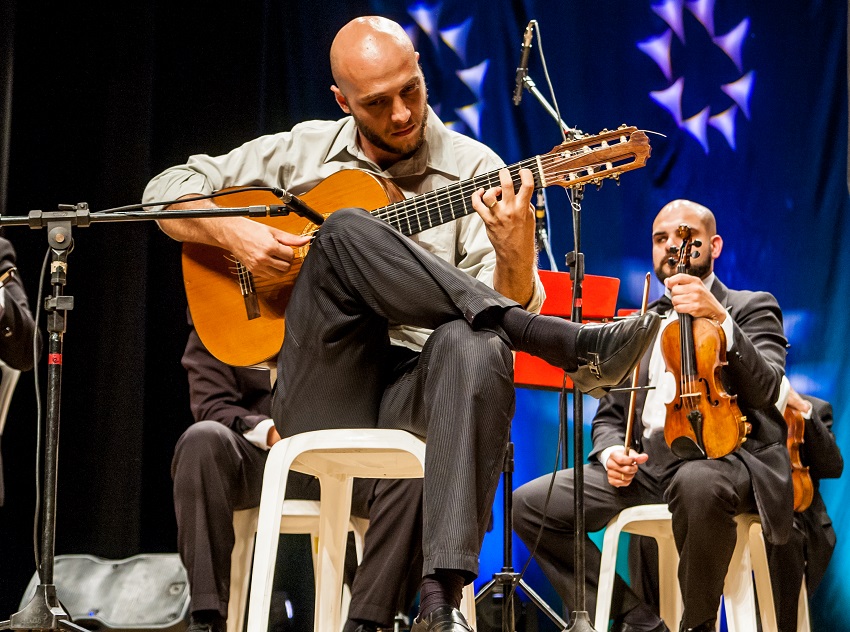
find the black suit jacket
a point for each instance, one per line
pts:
(754, 372)
(237, 397)
(17, 326)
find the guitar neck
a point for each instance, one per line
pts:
(449, 203)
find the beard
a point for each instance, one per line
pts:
(404, 150)
(699, 268)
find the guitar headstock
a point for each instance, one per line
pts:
(593, 158)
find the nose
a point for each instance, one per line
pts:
(401, 113)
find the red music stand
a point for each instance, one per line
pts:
(599, 303)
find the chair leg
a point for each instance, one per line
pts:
(467, 605)
(738, 594)
(244, 527)
(268, 534)
(670, 594)
(607, 572)
(761, 574)
(333, 534)
(803, 622)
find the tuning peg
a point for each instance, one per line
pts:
(697, 243)
(695, 254)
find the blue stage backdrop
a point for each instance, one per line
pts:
(749, 100)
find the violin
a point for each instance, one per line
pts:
(804, 489)
(703, 420)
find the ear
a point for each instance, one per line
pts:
(340, 99)
(716, 246)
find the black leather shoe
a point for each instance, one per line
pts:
(708, 626)
(206, 621)
(606, 353)
(443, 619)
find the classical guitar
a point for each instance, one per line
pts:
(241, 320)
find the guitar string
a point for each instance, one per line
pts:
(409, 209)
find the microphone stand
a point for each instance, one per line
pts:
(580, 619)
(44, 611)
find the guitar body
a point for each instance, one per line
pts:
(212, 280)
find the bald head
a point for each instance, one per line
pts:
(368, 48)
(665, 239)
(686, 208)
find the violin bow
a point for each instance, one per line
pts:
(635, 373)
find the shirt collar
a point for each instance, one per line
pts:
(435, 154)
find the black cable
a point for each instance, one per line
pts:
(555, 469)
(37, 513)
(276, 191)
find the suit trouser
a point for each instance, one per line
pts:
(337, 369)
(217, 471)
(704, 498)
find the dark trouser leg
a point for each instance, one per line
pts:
(360, 275)
(388, 578)
(460, 395)
(704, 498)
(555, 551)
(215, 472)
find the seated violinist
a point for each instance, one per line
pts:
(703, 494)
(809, 547)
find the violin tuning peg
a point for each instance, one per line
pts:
(697, 243)
(672, 261)
(695, 254)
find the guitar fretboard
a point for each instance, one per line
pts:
(448, 203)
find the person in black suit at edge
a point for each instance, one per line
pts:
(809, 548)
(703, 495)
(17, 326)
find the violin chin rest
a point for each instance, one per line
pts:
(687, 449)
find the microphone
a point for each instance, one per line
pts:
(522, 69)
(540, 220)
(541, 230)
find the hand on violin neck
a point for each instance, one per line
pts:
(622, 467)
(690, 296)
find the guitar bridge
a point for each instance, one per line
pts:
(249, 292)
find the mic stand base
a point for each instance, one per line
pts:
(508, 580)
(506, 583)
(580, 622)
(43, 612)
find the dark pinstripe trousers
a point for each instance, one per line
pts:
(337, 369)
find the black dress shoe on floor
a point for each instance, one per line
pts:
(443, 619)
(708, 626)
(606, 353)
(206, 621)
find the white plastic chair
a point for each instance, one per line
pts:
(336, 457)
(749, 561)
(297, 517)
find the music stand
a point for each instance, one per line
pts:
(532, 372)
